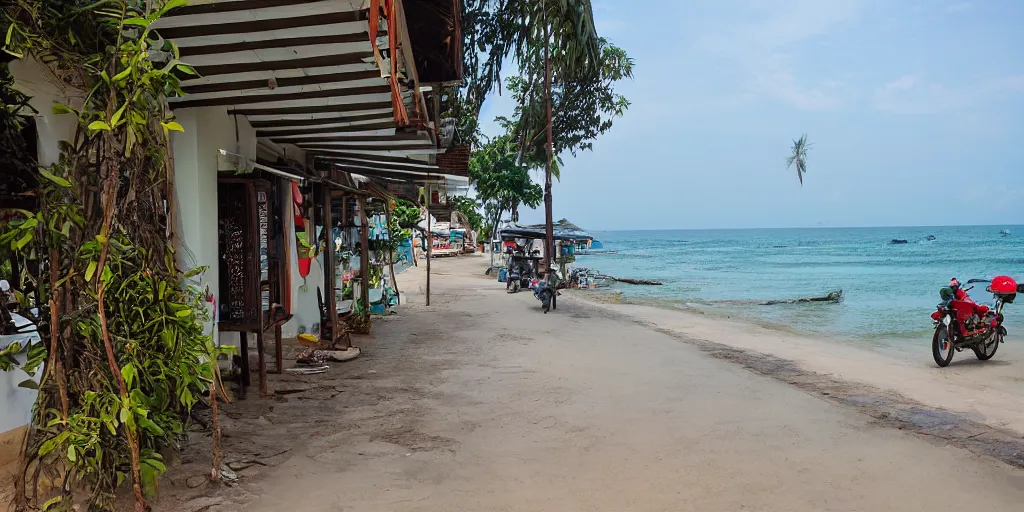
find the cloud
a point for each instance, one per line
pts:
(763, 51)
(909, 95)
(960, 7)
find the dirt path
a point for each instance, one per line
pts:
(484, 404)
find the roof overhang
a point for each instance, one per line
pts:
(303, 72)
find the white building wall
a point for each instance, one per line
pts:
(196, 150)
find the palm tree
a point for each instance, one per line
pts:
(799, 157)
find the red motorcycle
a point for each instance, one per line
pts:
(961, 323)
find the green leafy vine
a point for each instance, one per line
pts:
(126, 354)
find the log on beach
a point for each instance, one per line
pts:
(627, 280)
(835, 296)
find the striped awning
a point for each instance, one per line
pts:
(305, 72)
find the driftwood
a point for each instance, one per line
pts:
(835, 296)
(626, 280)
(832, 297)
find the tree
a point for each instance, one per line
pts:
(468, 207)
(502, 182)
(556, 46)
(581, 110)
(799, 157)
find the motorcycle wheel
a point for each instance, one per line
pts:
(988, 350)
(942, 347)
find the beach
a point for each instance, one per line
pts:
(482, 403)
(986, 392)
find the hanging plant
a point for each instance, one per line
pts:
(127, 357)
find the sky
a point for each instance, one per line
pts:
(915, 110)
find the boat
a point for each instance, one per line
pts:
(898, 241)
(1005, 232)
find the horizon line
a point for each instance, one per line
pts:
(814, 227)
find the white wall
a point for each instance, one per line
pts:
(35, 80)
(207, 130)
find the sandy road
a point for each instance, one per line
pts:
(481, 403)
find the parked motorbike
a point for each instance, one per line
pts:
(544, 293)
(960, 323)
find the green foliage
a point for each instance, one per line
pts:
(502, 180)
(129, 358)
(494, 30)
(798, 158)
(583, 106)
(470, 208)
(584, 71)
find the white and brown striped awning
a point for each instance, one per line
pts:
(308, 73)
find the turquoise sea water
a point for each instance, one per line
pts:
(889, 291)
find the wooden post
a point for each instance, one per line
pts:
(262, 362)
(329, 265)
(243, 348)
(364, 256)
(430, 244)
(278, 349)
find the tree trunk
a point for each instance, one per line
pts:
(549, 241)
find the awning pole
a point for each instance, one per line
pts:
(430, 242)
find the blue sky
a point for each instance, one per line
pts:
(915, 110)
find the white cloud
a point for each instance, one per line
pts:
(909, 95)
(762, 49)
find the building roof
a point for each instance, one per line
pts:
(306, 73)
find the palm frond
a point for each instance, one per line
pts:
(798, 158)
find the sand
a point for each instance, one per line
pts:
(482, 403)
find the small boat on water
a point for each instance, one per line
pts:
(898, 241)
(1005, 232)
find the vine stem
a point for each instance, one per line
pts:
(131, 434)
(218, 455)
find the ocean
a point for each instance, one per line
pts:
(889, 290)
